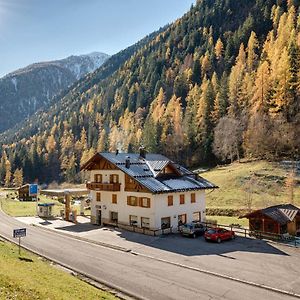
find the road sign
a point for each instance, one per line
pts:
(19, 232)
(33, 189)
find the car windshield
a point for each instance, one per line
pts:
(211, 231)
(188, 226)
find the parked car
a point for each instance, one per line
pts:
(219, 235)
(192, 229)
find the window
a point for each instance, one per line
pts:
(98, 178)
(197, 216)
(193, 198)
(181, 197)
(181, 219)
(257, 225)
(170, 200)
(114, 216)
(132, 201)
(165, 222)
(98, 197)
(114, 178)
(145, 222)
(145, 202)
(114, 199)
(133, 220)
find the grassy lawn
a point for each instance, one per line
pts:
(223, 220)
(17, 208)
(268, 186)
(32, 278)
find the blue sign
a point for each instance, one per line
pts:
(19, 232)
(33, 189)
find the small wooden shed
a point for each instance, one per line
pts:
(278, 219)
(24, 195)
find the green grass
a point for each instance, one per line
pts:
(222, 220)
(17, 208)
(268, 188)
(33, 278)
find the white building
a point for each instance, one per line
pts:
(145, 190)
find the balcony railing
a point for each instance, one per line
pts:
(97, 186)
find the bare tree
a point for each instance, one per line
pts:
(290, 184)
(227, 139)
(249, 188)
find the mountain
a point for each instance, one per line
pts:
(220, 83)
(26, 90)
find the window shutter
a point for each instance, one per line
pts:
(148, 202)
(128, 200)
(193, 198)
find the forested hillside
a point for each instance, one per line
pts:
(222, 82)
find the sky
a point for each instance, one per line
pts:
(41, 30)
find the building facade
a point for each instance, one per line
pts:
(144, 190)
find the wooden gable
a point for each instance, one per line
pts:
(169, 169)
(98, 162)
(131, 185)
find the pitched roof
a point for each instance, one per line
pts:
(282, 213)
(148, 172)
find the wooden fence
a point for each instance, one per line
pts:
(286, 238)
(240, 231)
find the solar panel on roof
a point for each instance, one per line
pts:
(145, 171)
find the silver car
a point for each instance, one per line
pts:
(192, 229)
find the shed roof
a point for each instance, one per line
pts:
(148, 172)
(282, 213)
(63, 192)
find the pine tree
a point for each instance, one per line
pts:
(102, 141)
(252, 50)
(7, 180)
(18, 178)
(236, 84)
(219, 49)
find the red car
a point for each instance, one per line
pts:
(219, 235)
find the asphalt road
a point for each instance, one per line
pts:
(143, 277)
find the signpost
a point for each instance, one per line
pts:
(33, 190)
(18, 233)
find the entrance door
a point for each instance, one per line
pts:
(98, 217)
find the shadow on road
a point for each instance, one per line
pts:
(82, 227)
(194, 247)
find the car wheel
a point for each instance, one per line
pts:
(219, 240)
(194, 235)
(233, 237)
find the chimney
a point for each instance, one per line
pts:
(142, 152)
(127, 162)
(117, 152)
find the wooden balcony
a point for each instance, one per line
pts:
(97, 186)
